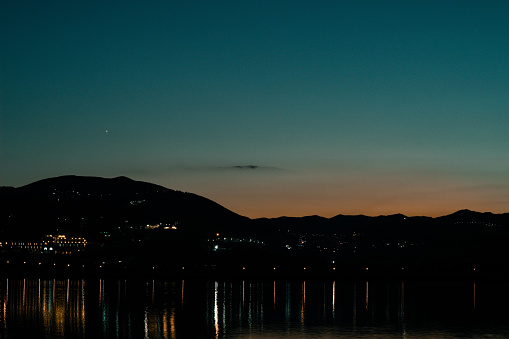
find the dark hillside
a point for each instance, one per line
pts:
(87, 205)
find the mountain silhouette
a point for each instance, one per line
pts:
(86, 205)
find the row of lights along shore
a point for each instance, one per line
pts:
(154, 267)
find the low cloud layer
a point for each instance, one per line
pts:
(246, 167)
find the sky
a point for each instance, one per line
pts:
(269, 108)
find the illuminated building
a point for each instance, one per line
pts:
(60, 244)
(54, 244)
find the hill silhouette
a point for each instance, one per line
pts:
(86, 205)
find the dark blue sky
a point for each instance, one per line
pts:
(372, 107)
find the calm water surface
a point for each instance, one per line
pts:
(95, 308)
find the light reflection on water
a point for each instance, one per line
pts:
(75, 308)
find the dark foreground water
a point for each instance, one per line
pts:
(95, 308)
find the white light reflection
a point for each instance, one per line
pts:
(146, 323)
(334, 299)
(216, 310)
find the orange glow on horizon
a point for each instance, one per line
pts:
(330, 193)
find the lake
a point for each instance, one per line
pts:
(135, 308)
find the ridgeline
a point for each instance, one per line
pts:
(134, 228)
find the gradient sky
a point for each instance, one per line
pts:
(345, 107)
